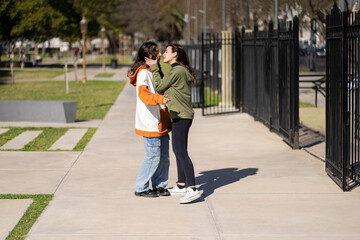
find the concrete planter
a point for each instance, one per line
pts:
(38, 110)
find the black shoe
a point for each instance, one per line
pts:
(148, 193)
(162, 191)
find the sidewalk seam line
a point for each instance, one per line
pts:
(67, 173)
(211, 210)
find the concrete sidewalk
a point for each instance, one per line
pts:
(255, 187)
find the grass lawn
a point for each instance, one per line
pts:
(40, 201)
(104, 75)
(31, 73)
(313, 118)
(306, 105)
(124, 59)
(94, 98)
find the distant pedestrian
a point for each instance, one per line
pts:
(76, 52)
(152, 121)
(176, 85)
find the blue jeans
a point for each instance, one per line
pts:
(155, 165)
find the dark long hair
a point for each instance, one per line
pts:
(147, 49)
(182, 58)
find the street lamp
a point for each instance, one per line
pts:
(195, 26)
(224, 15)
(103, 32)
(83, 27)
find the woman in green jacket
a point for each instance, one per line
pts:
(176, 85)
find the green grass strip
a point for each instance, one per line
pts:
(104, 75)
(7, 136)
(32, 73)
(80, 146)
(45, 140)
(306, 105)
(40, 201)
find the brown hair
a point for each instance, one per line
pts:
(182, 58)
(147, 49)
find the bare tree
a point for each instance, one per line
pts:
(158, 19)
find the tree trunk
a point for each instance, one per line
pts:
(113, 48)
(36, 50)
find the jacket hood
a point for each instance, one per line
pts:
(133, 75)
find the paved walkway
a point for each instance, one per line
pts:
(255, 186)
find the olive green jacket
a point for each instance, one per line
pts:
(176, 85)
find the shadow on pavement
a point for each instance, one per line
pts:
(214, 179)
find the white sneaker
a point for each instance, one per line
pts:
(190, 195)
(177, 191)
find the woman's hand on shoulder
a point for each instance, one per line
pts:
(150, 61)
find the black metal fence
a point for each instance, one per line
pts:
(271, 78)
(257, 72)
(342, 98)
(196, 58)
(221, 73)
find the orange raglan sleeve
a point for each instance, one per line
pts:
(144, 93)
(148, 98)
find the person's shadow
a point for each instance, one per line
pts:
(213, 179)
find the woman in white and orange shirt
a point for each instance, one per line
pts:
(153, 122)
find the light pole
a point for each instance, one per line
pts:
(120, 36)
(103, 31)
(224, 15)
(276, 14)
(83, 27)
(342, 5)
(313, 29)
(195, 26)
(247, 24)
(203, 11)
(187, 20)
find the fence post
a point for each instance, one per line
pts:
(237, 69)
(345, 119)
(242, 68)
(226, 69)
(295, 83)
(269, 68)
(66, 78)
(256, 74)
(203, 73)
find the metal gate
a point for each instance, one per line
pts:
(271, 78)
(194, 53)
(221, 73)
(342, 98)
(257, 72)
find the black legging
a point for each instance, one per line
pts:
(185, 168)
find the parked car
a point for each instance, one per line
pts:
(321, 52)
(301, 51)
(354, 84)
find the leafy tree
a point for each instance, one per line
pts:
(67, 24)
(8, 20)
(36, 20)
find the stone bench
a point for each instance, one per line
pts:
(38, 110)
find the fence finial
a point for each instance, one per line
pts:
(271, 26)
(335, 9)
